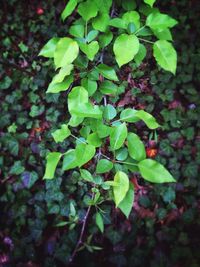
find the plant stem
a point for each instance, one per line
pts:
(78, 139)
(125, 162)
(140, 29)
(147, 41)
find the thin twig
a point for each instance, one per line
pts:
(146, 41)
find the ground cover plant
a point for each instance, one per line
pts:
(34, 209)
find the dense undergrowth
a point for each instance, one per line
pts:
(163, 228)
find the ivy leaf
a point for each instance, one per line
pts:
(52, 162)
(126, 204)
(87, 176)
(160, 21)
(103, 166)
(154, 172)
(150, 2)
(66, 52)
(84, 153)
(59, 87)
(88, 10)
(107, 72)
(69, 161)
(165, 55)
(49, 48)
(71, 5)
(99, 222)
(125, 48)
(121, 187)
(136, 147)
(61, 134)
(118, 136)
(90, 49)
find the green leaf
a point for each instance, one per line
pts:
(71, 5)
(148, 119)
(129, 115)
(49, 48)
(154, 172)
(129, 5)
(88, 10)
(66, 52)
(160, 21)
(118, 136)
(122, 154)
(101, 22)
(125, 48)
(91, 36)
(118, 23)
(132, 17)
(105, 39)
(52, 162)
(87, 110)
(108, 88)
(103, 6)
(163, 34)
(63, 72)
(99, 222)
(107, 72)
(93, 139)
(69, 161)
(87, 176)
(89, 85)
(103, 166)
(60, 87)
(77, 96)
(84, 153)
(90, 49)
(121, 188)
(150, 2)
(126, 204)
(77, 31)
(61, 134)
(165, 55)
(136, 147)
(109, 112)
(140, 55)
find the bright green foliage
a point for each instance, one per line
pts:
(154, 172)
(52, 162)
(101, 40)
(125, 48)
(165, 55)
(121, 187)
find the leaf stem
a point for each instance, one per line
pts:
(78, 139)
(145, 40)
(125, 162)
(140, 29)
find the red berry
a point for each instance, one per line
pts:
(40, 11)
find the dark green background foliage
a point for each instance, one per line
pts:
(164, 228)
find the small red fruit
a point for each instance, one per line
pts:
(40, 11)
(151, 152)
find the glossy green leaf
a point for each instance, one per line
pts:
(87, 176)
(165, 55)
(108, 88)
(125, 48)
(60, 87)
(90, 49)
(89, 85)
(160, 21)
(163, 34)
(77, 31)
(118, 23)
(63, 72)
(154, 172)
(126, 204)
(49, 48)
(71, 5)
(99, 222)
(69, 161)
(87, 110)
(107, 72)
(118, 136)
(101, 22)
(129, 115)
(122, 154)
(103, 166)
(77, 96)
(91, 36)
(88, 9)
(129, 5)
(105, 39)
(109, 112)
(93, 139)
(132, 17)
(61, 134)
(52, 162)
(150, 2)
(103, 6)
(121, 188)
(66, 52)
(148, 119)
(84, 153)
(141, 54)
(136, 147)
